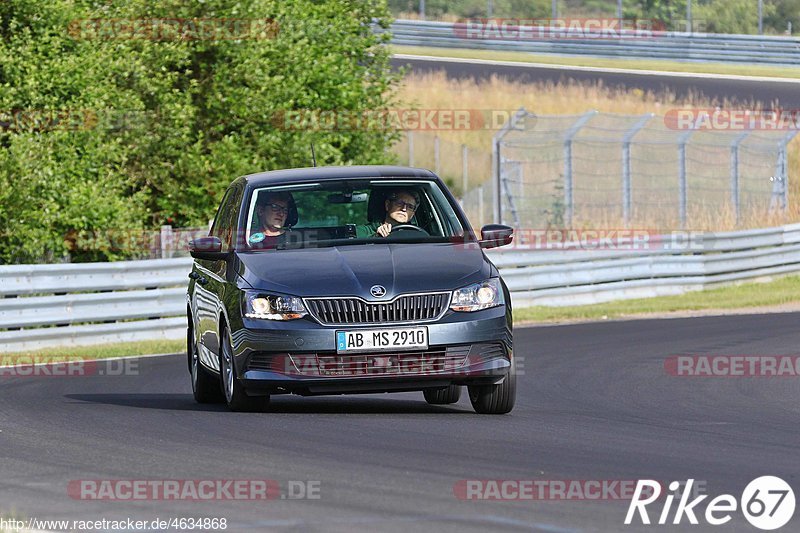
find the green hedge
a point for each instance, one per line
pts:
(101, 132)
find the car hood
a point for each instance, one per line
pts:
(354, 269)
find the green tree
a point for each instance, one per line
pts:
(670, 14)
(731, 16)
(168, 123)
(781, 13)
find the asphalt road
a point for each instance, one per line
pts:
(743, 92)
(594, 403)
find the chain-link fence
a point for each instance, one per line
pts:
(605, 169)
(466, 170)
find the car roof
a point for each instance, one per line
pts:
(315, 174)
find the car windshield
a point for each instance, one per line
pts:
(345, 212)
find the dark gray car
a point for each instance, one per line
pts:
(342, 280)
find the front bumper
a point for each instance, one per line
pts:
(470, 349)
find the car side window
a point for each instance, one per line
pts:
(223, 223)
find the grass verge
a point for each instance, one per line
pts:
(779, 292)
(633, 64)
(98, 351)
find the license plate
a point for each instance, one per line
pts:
(363, 340)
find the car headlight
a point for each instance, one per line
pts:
(273, 307)
(478, 296)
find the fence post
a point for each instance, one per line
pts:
(735, 175)
(785, 167)
(436, 154)
(166, 242)
(480, 205)
(626, 165)
(568, 196)
(464, 170)
(496, 163)
(682, 185)
(410, 148)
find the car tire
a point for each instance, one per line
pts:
(235, 395)
(495, 399)
(443, 396)
(205, 386)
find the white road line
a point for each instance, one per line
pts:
(567, 68)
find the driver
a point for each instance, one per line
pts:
(400, 205)
(272, 209)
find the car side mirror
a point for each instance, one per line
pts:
(494, 235)
(209, 248)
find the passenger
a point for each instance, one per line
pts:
(401, 205)
(272, 210)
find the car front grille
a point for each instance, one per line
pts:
(406, 308)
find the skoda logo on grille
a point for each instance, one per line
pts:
(377, 291)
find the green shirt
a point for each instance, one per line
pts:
(367, 230)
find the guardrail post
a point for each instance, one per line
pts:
(496, 163)
(735, 174)
(568, 137)
(626, 165)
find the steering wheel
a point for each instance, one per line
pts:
(409, 227)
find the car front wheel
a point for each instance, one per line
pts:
(235, 395)
(495, 399)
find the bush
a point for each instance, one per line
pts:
(121, 133)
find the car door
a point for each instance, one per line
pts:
(210, 286)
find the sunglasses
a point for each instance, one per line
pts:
(400, 204)
(278, 208)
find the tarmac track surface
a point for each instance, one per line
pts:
(741, 92)
(594, 403)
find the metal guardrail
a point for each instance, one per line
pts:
(92, 303)
(660, 45)
(74, 304)
(574, 276)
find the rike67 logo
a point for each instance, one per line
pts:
(767, 503)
